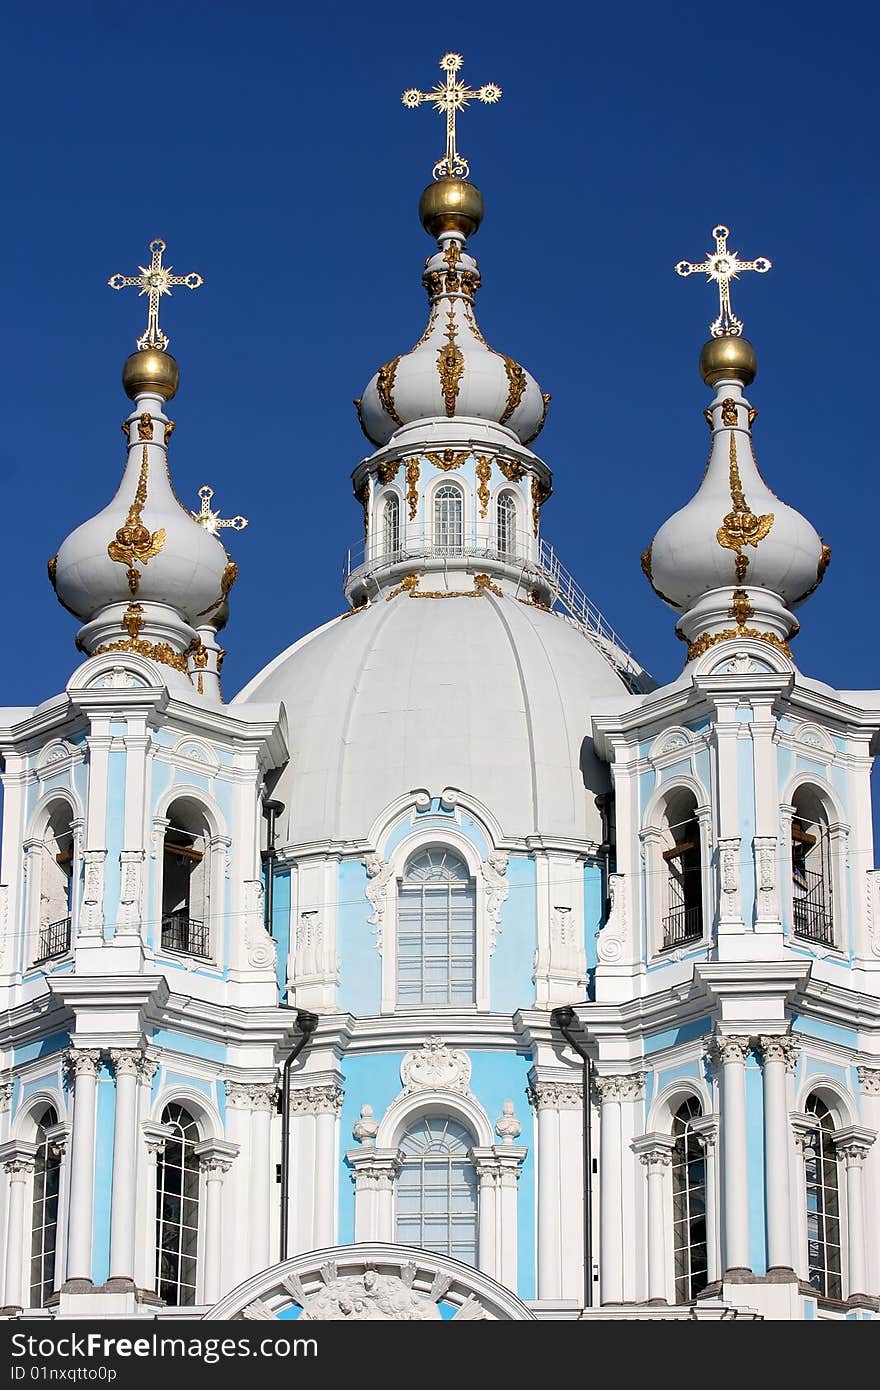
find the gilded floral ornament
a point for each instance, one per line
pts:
(741, 526)
(170, 427)
(145, 426)
(513, 472)
(412, 487)
(540, 493)
(516, 385)
(450, 365)
(546, 398)
(449, 97)
(711, 639)
(52, 566)
(484, 474)
(448, 460)
(133, 542)
(387, 472)
(385, 387)
(728, 411)
(722, 266)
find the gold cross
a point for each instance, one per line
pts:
(155, 280)
(212, 521)
(451, 96)
(722, 267)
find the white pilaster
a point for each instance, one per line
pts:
(126, 1066)
(614, 1091)
(83, 1064)
(655, 1153)
(779, 1057)
(216, 1157)
(18, 1163)
(854, 1143)
(732, 1052)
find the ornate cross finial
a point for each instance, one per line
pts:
(212, 521)
(722, 267)
(155, 280)
(451, 96)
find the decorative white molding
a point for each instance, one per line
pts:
(497, 890)
(435, 1067)
(723, 1048)
(625, 1087)
(873, 910)
(6, 1087)
(82, 1061)
(118, 678)
(869, 1080)
(366, 1127)
(779, 1048)
(132, 876)
(728, 863)
(259, 944)
(379, 876)
(317, 1100)
(4, 921)
(309, 944)
(369, 1297)
(246, 1095)
(507, 1126)
(556, 1095)
(91, 917)
(611, 939)
(766, 850)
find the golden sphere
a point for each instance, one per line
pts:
(728, 357)
(150, 370)
(451, 205)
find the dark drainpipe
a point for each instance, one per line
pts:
(307, 1023)
(564, 1017)
(273, 810)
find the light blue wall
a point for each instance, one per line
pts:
(670, 1037)
(510, 968)
(106, 1115)
(281, 923)
(496, 1077)
(360, 984)
(755, 1163)
(594, 910)
(189, 1046)
(29, 1052)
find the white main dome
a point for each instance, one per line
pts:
(488, 694)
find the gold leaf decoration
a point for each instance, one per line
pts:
(513, 472)
(484, 474)
(741, 526)
(516, 385)
(385, 388)
(133, 541)
(450, 365)
(447, 460)
(412, 487)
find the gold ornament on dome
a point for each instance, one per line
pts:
(227, 579)
(711, 639)
(450, 365)
(722, 266)
(484, 474)
(155, 280)
(387, 472)
(410, 585)
(540, 493)
(824, 562)
(447, 461)
(728, 411)
(546, 398)
(145, 426)
(513, 472)
(52, 567)
(212, 521)
(412, 487)
(741, 527)
(133, 542)
(449, 97)
(170, 427)
(384, 387)
(516, 385)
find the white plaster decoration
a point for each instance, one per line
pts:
(4, 923)
(129, 915)
(258, 943)
(18, 1160)
(497, 890)
(374, 1173)
(655, 1152)
(316, 1100)
(117, 678)
(309, 943)
(853, 1144)
(6, 1088)
(611, 940)
(766, 852)
(366, 1127)
(507, 1126)
(740, 664)
(247, 1095)
(873, 910)
(728, 859)
(379, 875)
(157, 835)
(91, 917)
(369, 1297)
(436, 1067)
(555, 1095)
(621, 1088)
(869, 1080)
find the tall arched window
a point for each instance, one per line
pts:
(505, 524)
(823, 1204)
(811, 868)
(437, 1189)
(186, 880)
(682, 909)
(56, 884)
(44, 1213)
(177, 1209)
(688, 1204)
(391, 525)
(448, 519)
(436, 930)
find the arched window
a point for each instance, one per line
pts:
(682, 910)
(823, 1204)
(688, 1204)
(436, 930)
(56, 884)
(811, 868)
(505, 524)
(186, 880)
(391, 525)
(177, 1209)
(448, 523)
(437, 1189)
(44, 1217)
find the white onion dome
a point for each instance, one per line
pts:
(735, 559)
(452, 371)
(144, 562)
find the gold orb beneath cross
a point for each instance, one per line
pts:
(728, 357)
(451, 205)
(150, 370)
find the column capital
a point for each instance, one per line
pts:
(156, 1136)
(58, 1136)
(127, 1061)
(216, 1157)
(499, 1165)
(706, 1131)
(804, 1127)
(5, 1092)
(727, 1048)
(18, 1158)
(779, 1047)
(654, 1150)
(628, 1086)
(852, 1143)
(555, 1095)
(317, 1100)
(248, 1095)
(82, 1061)
(869, 1080)
(374, 1168)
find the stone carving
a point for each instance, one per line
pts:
(507, 1126)
(555, 1095)
(116, 679)
(21, 1167)
(244, 1095)
(729, 865)
(379, 875)
(661, 1157)
(621, 1088)
(258, 943)
(5, 1093)
(740, 664)
(436, 1067)
(91, 918)
(873, 910)
(368, 1297)
(765, 853)
(611, 940)
(258, 1311)
(869, 1080)
(366, 1128)
(126, 1061)
(82, 1062)
(729, 1048)
(214, 1166)
(497, 890)
(316, 1100)
(309, 938)
(779, 1048)
(132, 865)
(854, 1150)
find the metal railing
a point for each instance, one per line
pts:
(180, 932)
(682, 925)
(54, 940)
(812, 916)
(486, 545)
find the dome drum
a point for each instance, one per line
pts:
(455, 574)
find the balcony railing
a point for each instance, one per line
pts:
(180, 932)
(681, 926)
(813, 922)
(54, 940)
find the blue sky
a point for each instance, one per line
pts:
(267, 144)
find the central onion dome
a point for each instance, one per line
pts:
(452, 371)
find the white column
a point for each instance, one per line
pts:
(498, 1170)
(732, 1051)
(126, 1065)
(779, 1057)
(854, 1143)
(707, 1133)
(19, 1165)
(155, 1137)
(374, 1172)
(655, 1154)
(314, 1113)
(328, 1104)
(612, 1089)
(869, 1082)
(544, 1096)
(215, 1159)
(262, 1103)
(487, 1177)
(83, 1063)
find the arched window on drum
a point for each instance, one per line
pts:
(436, 930)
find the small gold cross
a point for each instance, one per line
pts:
(722, 267)
(212, 521)
(451, 96)
(155, 280)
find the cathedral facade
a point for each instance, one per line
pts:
(452, 968)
